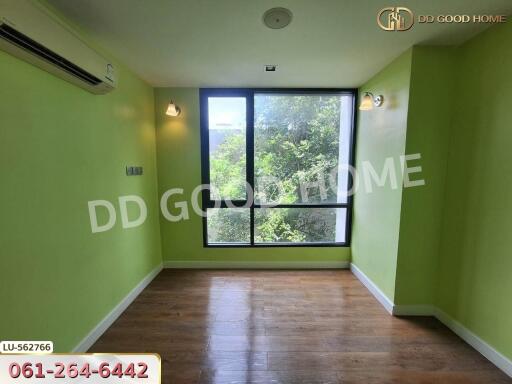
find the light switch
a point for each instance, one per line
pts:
(134, 171)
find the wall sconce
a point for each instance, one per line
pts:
(173, 109)
(369, 101)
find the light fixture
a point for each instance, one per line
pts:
(369, 101)
(173, 109)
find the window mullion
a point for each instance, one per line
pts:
(250, 155)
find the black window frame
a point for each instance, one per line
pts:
(248, 93)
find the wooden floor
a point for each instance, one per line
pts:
(287, 327)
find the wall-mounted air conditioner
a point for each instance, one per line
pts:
(29, 32)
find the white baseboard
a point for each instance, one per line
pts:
(107, 321)
(372, 287)
(476, 342)
(413, 310)
(256, 264)
(495, 357)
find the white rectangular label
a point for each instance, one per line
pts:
(26, 346)
(80, 368)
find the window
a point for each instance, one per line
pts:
(277, 163)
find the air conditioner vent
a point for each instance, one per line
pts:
(13, 36)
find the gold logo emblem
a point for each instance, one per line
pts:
(395, 19)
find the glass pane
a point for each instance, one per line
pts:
(301, 147)
(227, 128)
(300, 225)
(228, 225)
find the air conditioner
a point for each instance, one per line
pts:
(29, 32)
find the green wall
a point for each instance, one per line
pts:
(475, 259)
(397, 230)
(179, 166)
(449, 248)
(428, 132)
(61, 147)
(381, 134)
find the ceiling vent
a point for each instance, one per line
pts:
(277, 18)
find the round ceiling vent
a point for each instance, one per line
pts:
(277, 18)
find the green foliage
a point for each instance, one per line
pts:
(274, 226)
(227, 168)
(296, 141)
(229, 225)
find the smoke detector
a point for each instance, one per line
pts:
(277, 18)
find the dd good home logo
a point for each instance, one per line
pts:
(395, 19)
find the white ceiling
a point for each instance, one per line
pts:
(330, 43)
